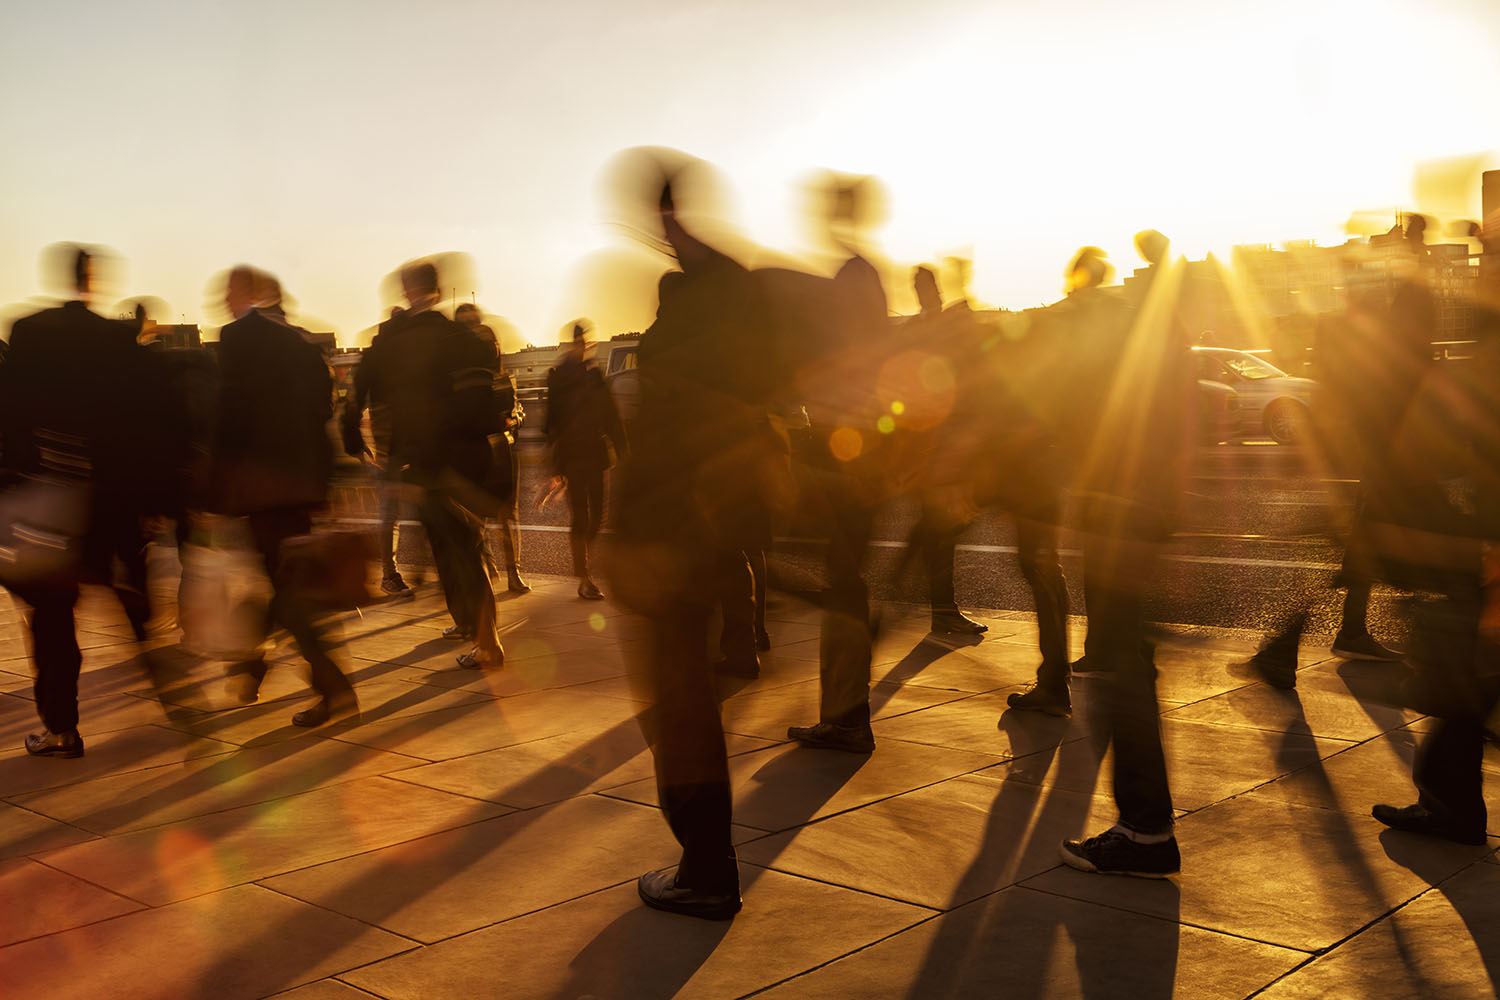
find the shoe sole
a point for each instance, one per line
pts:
(1083, 864)
(701, 912)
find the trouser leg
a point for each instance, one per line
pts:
(270, 529)
(457, 539)
(844, 650)
(737, 593)
(1036, 551)
(1114, 569)
(54, 650)
(687, 741)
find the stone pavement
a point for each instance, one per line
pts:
(479, 834)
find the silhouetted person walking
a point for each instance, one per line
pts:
(582, 423)
(1126, 449)
(688, 499)
(83, 408)
(272, 462)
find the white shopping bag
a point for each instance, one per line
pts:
(224, 594)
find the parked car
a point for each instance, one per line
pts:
(1267, 400)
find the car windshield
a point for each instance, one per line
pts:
(1251, 367)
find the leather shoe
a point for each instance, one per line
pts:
(456, 633)
(516, 585)
(49, 744)
(762, 640)
(589, 592)
(831, 736)
(660, 891)
(1417, 818)
(325, 709)
(955, 623)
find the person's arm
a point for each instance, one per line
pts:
(613, 428)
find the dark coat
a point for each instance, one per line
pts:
(581, 418)
(434, 377)
(271, 447)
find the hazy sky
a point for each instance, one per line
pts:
(329, 140)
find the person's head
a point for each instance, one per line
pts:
(419, 283)
(83, 272)
(468, 314)
(239, 290)
(579, 342)
(1088, 269)
(1152, 246)
(924, 282)
(267, 289)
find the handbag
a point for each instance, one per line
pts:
(328, 570)
(43, 521)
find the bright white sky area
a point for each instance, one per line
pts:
(329, 140)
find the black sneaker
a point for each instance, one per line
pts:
(956, 623)
(1417, 818)
(1362, 646)
(49, 744)
(831, 736)
(395, 588)
(660, 891)
(1041, 699)
(1113, 853)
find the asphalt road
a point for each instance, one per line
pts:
(1256, 543)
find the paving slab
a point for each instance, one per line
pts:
(1205, 763)
(1445, 943)
(1375, 771)
(449, 883)
(984, 724)
(159, 795)
(961, 664)
(787, 785)
(246, 942)
(1024, 943)
(324, 989)
(491, 723)
(939, 846)
(768, 713)
(108, 753)
(206, 853)
(1276, 872)
(1323, 704)
(45, 900)
(25, 832)
(608, 945)
(538, 672)
(558, 767)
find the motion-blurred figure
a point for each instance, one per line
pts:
(83, 412)
(1125, 428)
(272, 462)
(436, 377)
(689, 496)
(504, 481)
(582, 424)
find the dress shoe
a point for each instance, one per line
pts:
(660, 891)
(475, 660)
(325, 709)
(1417, 818)
(955, 623)
(1042, 699)
(589, 592)
(457, 634)
(515, 584)
(49, 744)
(831, 736)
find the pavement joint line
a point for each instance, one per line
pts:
(840, 958)
(361, 991)
(347, 916)
(933, 910)
(1151, 916)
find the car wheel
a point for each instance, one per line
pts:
(1286, 421)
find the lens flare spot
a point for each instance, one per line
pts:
(886, 424)
(846, 443)
(596, 622)
(936, 375)
(898, 407)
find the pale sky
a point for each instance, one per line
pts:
(329, 140)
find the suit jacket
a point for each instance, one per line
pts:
(581, 418)
(275, 400)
